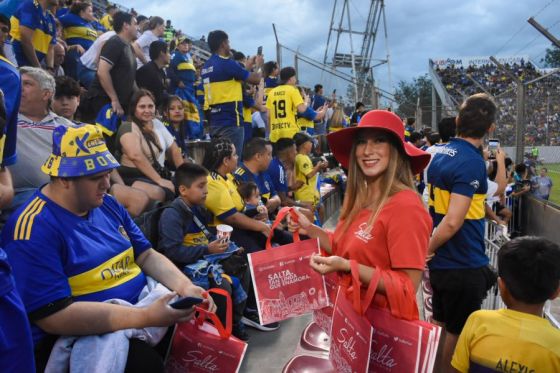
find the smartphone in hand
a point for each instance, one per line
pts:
(186, 302)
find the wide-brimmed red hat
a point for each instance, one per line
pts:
(341, 141)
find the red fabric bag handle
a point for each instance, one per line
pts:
(224, 331)
(284, 211)
(398, 288)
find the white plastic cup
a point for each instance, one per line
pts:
(224, 232)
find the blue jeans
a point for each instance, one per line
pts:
(234, 134)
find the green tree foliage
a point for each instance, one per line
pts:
(552, 57)
(407, 93)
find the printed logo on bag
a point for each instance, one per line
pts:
(284, 278)
(364, 233)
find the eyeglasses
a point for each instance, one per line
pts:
(5, 29)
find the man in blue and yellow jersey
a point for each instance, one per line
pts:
(182, 64)
(34, 33)
(257, 156)
(94, 252)
(222, 78)
(107, 20)
(284, 103)
(457, 183)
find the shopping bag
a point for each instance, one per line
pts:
(323, 316)
(351, 337)
(400, 342)
(203, 347)
(284, 283)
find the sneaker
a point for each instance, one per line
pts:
(240, 332)
(252, 319)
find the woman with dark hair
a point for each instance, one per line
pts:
(143, 145)
(383, 225)
(271, 71)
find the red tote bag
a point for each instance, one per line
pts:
(351, 337)
(285, 285)
(203, 347)
(323, 317)
(401, 342)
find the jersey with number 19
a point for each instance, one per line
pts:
(282, 103)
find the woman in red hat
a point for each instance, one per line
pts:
(383, 223)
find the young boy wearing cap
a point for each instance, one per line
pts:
(73, 247)
(185, 239)
(516, 339)
(306, 172)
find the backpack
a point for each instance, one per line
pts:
(148, 223)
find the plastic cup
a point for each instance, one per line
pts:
(224, 232)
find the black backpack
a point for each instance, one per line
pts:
(148, 223)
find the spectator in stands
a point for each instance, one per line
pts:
(307, 173)
(174, 121)
(116, 73)
(223, 200)
(169, 31)
(59, 57)
(182, 66)
(416, 139)
(34, 139)
(88, 231)
(317, 102)
(65, 103)
(34, 33)
(271, 72)
(79, 32)
(152, 75)
(357, 115)
(281, 172)
(225, 203)
(517, 337)
(521, 180)
(457, 179)
(283, 103)
(257, 156)
(497, 183)
(185, 239)
(143, 145)
(16, 349)
(409, 128)
(6, 49)
(543, 184)
(107, 19)
(380, 187)
(154, 33)
(143, 25)
(89, 60)
(223, 91)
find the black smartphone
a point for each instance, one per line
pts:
(493, 145)
(259, 51)
(186, 302)
(334, 92)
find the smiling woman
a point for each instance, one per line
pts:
(143, 145)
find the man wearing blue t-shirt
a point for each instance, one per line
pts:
(34, 33)
(457, 183)
(73, 247)
(223, 92)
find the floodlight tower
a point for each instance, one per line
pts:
(358, 59)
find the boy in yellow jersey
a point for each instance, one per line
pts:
(284, 103)
(306, 172)
(516, 339)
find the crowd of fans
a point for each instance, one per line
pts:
(542, 98)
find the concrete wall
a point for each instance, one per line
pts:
(541, 219)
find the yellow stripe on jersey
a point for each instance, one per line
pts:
(25, 220)
(185, 66)
(247, 115)
(41, 41)
(191, 111)
(440, 202)
(114, 272)
(305, 123)
(195, 239)
(81, 32)
(223, 92)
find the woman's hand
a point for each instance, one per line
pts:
(329, 264)
(164, 183)
(217, 247)
(301, 224)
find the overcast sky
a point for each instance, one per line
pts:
(417, 29)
